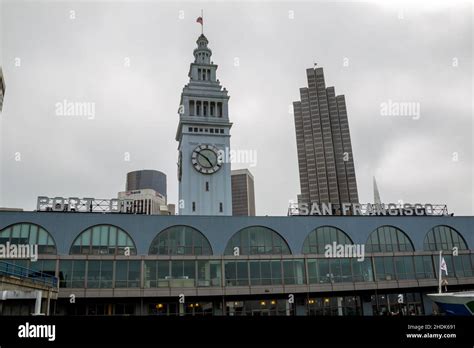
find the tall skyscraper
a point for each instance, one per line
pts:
(326, 163)
(2, 89)
(243, 193)
(203, 135)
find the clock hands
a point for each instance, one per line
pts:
(207, 159)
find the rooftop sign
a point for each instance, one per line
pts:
(89, 205)
(391, 209)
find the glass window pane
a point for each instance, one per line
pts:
(95, 236)
(242, 273)
(276, 272)
(33, 234)
(42, 237)
(150, 275)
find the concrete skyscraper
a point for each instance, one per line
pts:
(325, 158)
(204, 135)
(243, 193)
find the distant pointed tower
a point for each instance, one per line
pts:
(377, 199)
(204, 134)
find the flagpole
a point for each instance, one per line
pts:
(202, 24)
(440, 272)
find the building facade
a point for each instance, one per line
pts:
(203, 135)
(117, 264)
(147, 179)
(325, 157)
(243, 193)
(146, 189)
(146, 201)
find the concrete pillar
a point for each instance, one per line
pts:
(38, 294)
(339, 306)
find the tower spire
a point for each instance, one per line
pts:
(377, 199)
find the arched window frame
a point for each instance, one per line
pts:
(443, 237)
(378, 240)
(243, 240)
(103, 239)
(29, 233)
(316, 241)
(166, 244)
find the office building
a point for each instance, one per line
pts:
(146, 191)
(325, 157)
(243, 193)
(146, 179)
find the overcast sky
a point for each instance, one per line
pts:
(420, 53)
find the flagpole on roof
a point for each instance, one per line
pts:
(202, 23)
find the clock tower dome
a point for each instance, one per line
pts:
(203, 134)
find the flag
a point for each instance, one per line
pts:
(443, 266)
(199, 20)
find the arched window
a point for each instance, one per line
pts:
(103, 240)
(317, 239)
(388, 238)
(257, 240)
(26, 233)
(180, 240)
(443, 238)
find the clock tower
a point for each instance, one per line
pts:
(203, 134)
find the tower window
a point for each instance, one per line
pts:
(219, 109)
(194, 206)
(207, 186)
(211, 130)
(222, 131)
(198, 108)
(212, 108)
(221, 207)
(190, 129)
(204, 113)
(191, 107)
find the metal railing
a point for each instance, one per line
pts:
(20, 272)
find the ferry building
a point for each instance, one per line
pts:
(207, 262)
(187, 265)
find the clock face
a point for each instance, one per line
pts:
(205, 159)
